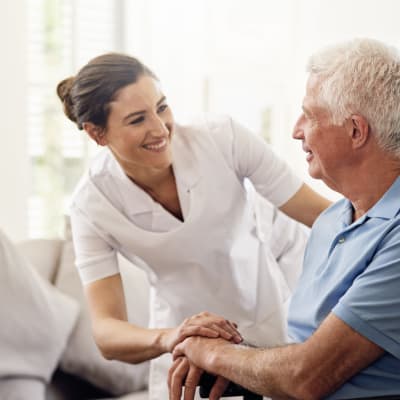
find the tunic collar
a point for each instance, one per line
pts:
(186, 169)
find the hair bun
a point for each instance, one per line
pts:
(64, 93)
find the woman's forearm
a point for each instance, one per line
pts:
(120, 340)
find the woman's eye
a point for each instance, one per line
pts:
(136, 121)
(162, 108)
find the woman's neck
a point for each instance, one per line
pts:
(151, 179)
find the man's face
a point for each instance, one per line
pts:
(328, 146)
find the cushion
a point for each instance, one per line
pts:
(36, 319)
(22, 389)
(44, 254)
(82, 356)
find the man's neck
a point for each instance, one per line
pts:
(369, 183)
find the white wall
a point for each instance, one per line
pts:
(317, 23)
(169, 36)
(14, 169)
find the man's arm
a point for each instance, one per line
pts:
(310, 370)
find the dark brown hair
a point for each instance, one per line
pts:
(86, 97)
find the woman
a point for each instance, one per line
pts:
(175, 201)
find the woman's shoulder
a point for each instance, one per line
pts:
(103, 173)
(206, 122)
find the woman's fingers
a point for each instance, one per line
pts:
(224, 328)
(203, 324)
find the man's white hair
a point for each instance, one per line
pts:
(362, 77)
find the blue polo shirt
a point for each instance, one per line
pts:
(353, 270)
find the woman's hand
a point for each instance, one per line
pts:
(204, 324)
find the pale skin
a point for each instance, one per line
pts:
(348, 159)
(138, 132)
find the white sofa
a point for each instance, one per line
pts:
(81, 372)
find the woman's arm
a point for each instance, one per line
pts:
(273, 178)
(120, 340)
(305, 205)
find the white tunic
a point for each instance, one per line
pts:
(222, 258)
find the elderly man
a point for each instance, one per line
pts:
(344, 317)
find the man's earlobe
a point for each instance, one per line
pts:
(360, 130)
(95, 132)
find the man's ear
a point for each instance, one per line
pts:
(97, 133)
(360, 130)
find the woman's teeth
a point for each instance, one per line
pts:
(156, 146)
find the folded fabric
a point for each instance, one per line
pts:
(36, 321)
(22, 389)
(81, 356)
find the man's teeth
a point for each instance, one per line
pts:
(156, 146)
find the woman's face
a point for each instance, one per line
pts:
(140, 126)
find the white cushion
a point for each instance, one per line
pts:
(36, 319)
(82, 356)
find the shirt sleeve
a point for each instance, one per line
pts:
(251, 157)
(95, 258)
(372, 304)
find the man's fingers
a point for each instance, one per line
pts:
(191, 382)
(176, 377)
(218, 388)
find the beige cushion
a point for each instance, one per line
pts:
(44, 254)
(81, 356)
(36, 318)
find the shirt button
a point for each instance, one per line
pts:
(341, 240)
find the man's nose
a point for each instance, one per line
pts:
(298, 131)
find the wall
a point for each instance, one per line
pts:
(14, 168)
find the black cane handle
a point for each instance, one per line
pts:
(207, 381)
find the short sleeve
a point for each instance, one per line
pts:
(251, 157)
(372, 304)
(95, 258)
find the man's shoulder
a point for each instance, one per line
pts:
(335, 210)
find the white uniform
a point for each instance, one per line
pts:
(222, 258)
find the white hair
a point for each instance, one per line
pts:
(362, 77)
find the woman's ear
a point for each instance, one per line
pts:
(96, 133)
(360, 130)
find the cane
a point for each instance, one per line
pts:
(207, 381)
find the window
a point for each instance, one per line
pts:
(62, 36)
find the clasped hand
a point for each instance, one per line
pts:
(183, 372)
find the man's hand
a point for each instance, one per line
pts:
(183, 373)
(188, 373)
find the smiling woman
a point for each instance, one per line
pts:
(181, 202)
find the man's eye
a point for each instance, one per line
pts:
(162, 108)
(136, 121)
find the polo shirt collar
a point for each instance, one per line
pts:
(387, 207)
(389, 204)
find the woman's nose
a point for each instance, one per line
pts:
(158, 127)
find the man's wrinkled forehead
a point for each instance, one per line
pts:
(312, 102)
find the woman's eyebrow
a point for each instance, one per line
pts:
(135, 113)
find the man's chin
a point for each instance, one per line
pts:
(314, 172)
